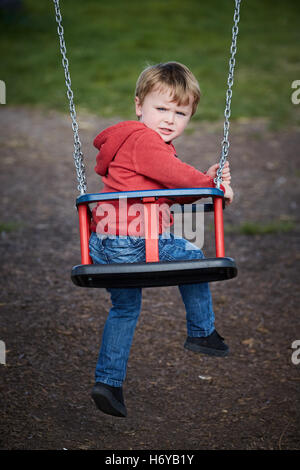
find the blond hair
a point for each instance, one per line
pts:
(173, 75)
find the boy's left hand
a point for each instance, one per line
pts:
(226, 176)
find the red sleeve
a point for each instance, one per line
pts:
(156, 160)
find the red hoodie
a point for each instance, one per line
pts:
(134, 157)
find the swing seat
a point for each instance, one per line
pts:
(153, 273)
(164, 273)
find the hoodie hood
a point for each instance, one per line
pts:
(109, 141)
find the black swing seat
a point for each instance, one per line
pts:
(164, 273)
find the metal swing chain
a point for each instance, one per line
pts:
(233, 49)
(77, 154)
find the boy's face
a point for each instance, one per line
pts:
(163, 115)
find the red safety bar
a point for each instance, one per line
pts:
(151, 229)
(219, 227)
(85, 232)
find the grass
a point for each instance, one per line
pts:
(257, 228)
(283, 224)
(9, 227)
(109, 43)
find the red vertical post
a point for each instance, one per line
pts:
(219, 227)
(84, 228)
(151, 229)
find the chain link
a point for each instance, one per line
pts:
(227, 112)
(77, 154)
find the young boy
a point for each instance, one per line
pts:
(139, 155)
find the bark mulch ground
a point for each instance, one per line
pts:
(176, 399)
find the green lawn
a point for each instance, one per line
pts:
(109, 43)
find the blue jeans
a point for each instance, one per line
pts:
(126, 303)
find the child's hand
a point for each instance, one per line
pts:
(226, 176)
(228, 193)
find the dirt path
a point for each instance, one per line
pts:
(52, 329)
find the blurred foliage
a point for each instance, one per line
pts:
(109, 43)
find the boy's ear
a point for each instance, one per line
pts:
(138, 106)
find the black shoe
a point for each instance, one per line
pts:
(109, 399)
(213, 345)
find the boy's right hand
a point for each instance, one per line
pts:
(228, 193)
